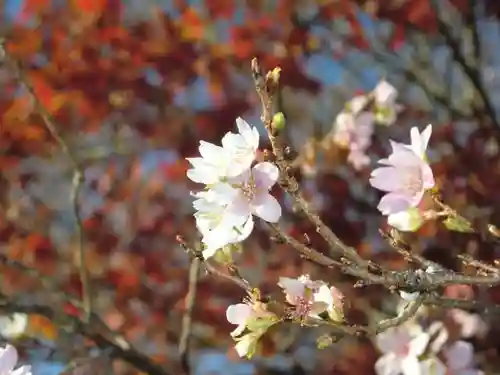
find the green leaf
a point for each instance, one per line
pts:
(261, 325)
(324, 341)
(225, 255)
(458, 224)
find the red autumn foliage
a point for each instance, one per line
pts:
(134, 96)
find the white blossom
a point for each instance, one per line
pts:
(311, 298)
(248, 194)
(458, 360)
(401, 347)
(218, 226)
(386, 108)
(8, 360)
(252, 320)
(405, 175)
(13, 326)
(217, 163)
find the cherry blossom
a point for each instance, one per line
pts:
(470, 324)
(385, 93)
(251, 316)
(354, 131)
(401, 347)
(13, 326)
(229, 160)
(333, 300)
(312, 298)
(218, 225)
(458, 360)
(420, 141)
(242, 147)
(8, 360)
(405, 176)
(248, 194)
(386, 108)
(354, 126)
(406, 221)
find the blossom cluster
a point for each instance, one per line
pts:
(312, 298)
(307, 298)
(236, 188)
(409, 349)
(354, 126)
(405, 176)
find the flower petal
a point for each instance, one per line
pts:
(265, 174)
(392, 339)
(425, 136)
(459, 355)
(213, 153)
(388, 364)
(386, 179)
(406, 221)
(393, 203)
(411, 366)
(238, 313)
(433, 366)
(419, 141)
(385, 93)
(250, 133)
(8, 359)
(427, 176)
(408, 296)
(266, 207)
(419, 344)
(23, 370)
(292, 287)
(243, 232)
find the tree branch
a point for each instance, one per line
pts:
(194, 271)
(115, 348)
(266, 87)
(78, 174)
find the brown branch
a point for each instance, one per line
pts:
(91, 330)
(78, 179)
(266, 87)
(210, 268)
(94, 328)
(472, 72)
(194, 271)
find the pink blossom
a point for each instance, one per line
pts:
(312, 298)
(401, 348)
(405, 176)
(8, 360)
(354, 131)
(458, 358)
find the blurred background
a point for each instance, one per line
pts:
(132, 87)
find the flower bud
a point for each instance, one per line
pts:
(279, 121)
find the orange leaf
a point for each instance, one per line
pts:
(192, 25)
(33, 7)
(42, 89)
(39, 325)
(90, 6)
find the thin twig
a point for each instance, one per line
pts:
(266, 88)
(78, 175)
(472, 72)
(210, 268)
(194, 271)
(116, 349)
